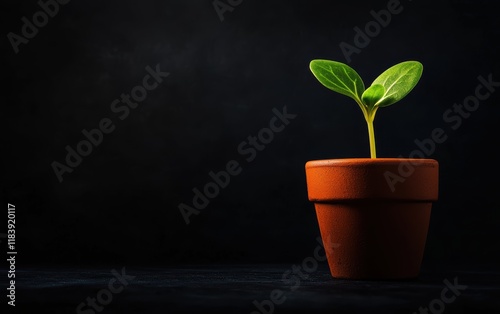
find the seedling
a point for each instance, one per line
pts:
(388, 88)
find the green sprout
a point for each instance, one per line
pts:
(388, 88)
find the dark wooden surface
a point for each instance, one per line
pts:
(233, 289)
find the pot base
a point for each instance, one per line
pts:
(374, 239)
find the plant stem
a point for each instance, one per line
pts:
(371, 134)
(369, 114)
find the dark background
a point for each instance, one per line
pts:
(120, 205)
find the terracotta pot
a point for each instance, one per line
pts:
(373, 214)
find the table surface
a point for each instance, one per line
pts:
(237, 289)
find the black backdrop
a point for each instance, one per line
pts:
(119, 205)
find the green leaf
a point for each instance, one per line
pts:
(372, 95)
(338, 77)
(398, 81)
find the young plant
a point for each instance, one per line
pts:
(388, 88)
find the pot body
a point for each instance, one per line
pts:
(373, 214)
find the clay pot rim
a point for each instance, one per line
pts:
(362, 162)
(366, 178)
